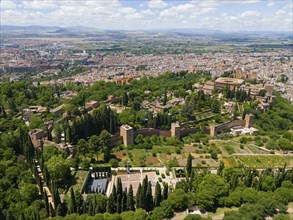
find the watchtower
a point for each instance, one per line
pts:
(213, 130)
(126, 132)
(248, 120)
(175, 130)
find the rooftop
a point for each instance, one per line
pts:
(229, 80)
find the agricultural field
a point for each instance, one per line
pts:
(232, 147)
(230, 162)
(266, 161)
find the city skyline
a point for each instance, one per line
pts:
(251, 15)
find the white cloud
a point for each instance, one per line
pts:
(35, 4)
(280, 12)
(271, 4)
(7, 5)
(127, 10)
(157, 4)
(113, 14)
(148, 12)
(134, 16)
(250, 14)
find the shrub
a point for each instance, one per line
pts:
(113, 162)
(167, 172)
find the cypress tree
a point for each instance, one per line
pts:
(143, 192)
(189, 165)
(119, 195)
(114, 192)
(158, 195)
(149, 198)
(130, 199)
(124, 202)
(165, 99)
(138, 196)
(111, 204)
(125, 99)
(72, 201)
(165, 191)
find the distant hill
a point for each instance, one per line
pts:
(83, 31)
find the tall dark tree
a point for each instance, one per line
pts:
(158, 195)
(125, 99)
(189, 165)
(138, 196)
(111, 204)
(130, 199)
(119, 195)
(165, 191)
(124, 202)
(165, 99)
(149, 198)
(73, 207)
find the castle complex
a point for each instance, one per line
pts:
(237, 126)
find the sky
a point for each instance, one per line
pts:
(225, 15)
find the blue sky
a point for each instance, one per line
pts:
(230, 15)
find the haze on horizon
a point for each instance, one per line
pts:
(232, 15)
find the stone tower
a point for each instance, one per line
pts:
(248, 120)
(126, 132)
(213, 131)
(175, 130)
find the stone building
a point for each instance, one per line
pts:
(37, 136)
(126, 132)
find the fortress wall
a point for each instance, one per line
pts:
(146, 132)
(230, 124)
(187, 131)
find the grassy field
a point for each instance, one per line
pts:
(266, 161)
